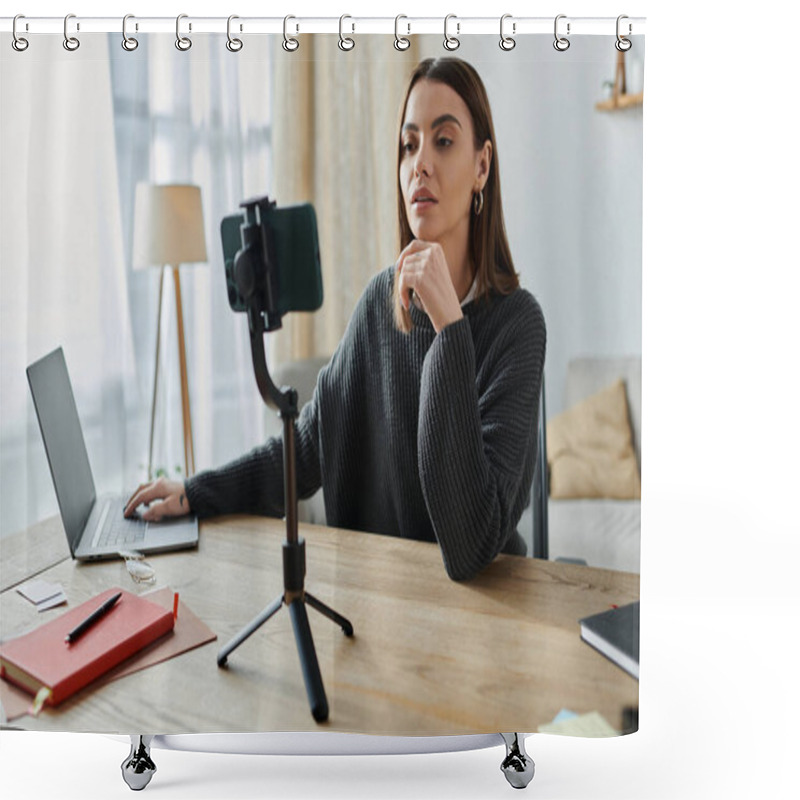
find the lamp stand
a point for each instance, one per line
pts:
(294, 549)
(186, 412)
(188, 438)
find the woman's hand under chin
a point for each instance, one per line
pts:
(423, 268)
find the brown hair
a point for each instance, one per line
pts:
(488, 245)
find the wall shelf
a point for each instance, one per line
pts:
(620, 99)
(620, 102)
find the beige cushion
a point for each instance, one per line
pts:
(587, 375)
(590, 450)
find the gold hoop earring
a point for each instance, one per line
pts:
(477, 202)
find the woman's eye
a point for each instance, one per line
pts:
(408, 147)
(444, 141)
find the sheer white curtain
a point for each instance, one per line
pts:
(79, 130)
(203, 117)
(62, 266)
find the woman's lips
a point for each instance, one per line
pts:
(423, 204)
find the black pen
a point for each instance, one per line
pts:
(92, 618)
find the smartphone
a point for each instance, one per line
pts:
(289, 251)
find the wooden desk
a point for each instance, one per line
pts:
(31, 552)
(430, 656)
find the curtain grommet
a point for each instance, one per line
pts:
(623, 44)
(19, 43)
(290, 44)
(507, 42)
(233, 44)
(561, 43)
(129, 43)
(346, 43)
(400, 42)
(71, 43)
(451, 43)
(183, 43)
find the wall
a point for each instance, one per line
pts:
(572, 192)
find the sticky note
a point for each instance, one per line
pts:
(39, 591)
(592, 724)
(52, 602)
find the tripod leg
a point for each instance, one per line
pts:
(308, 661)
(330, 614)
(222, 656)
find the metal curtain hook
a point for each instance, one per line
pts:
(18, 42)
(401, 43)
(234, 45)
(70, 42)
(290, 44)
(561, 43)
(128, 42)
(623, 44)
(345, 42)
(451, 42)
(182, 42)
(507, 42)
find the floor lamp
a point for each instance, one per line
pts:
(168, 232)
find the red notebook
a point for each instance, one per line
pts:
(41, 660)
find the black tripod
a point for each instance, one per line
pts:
(294, 550)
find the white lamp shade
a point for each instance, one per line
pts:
(168, 226)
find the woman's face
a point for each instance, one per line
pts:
(439, 166)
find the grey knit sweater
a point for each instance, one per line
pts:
(419, 435)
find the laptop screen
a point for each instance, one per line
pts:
(63, 441)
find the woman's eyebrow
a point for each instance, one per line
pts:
(444, 118)
(412, 126)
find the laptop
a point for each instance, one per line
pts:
(95, 526)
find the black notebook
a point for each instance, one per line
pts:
(615, 634)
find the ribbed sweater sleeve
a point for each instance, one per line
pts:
(253, 484)
(475, 431)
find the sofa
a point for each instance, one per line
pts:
(600, 532)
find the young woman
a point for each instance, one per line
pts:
(423, 424)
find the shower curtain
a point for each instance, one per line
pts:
(323, 124)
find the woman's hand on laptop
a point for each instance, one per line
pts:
(174, 502)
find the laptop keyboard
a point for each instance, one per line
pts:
(117, 530)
